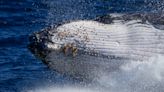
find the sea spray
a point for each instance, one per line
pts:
(145, 76)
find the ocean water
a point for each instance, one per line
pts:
(20, 71)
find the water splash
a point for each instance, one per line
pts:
(145, 76)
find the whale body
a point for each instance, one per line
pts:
(86, 48)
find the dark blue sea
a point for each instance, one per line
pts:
(20, 70)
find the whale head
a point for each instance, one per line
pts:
(64, 48)
(83, 49)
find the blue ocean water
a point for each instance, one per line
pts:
(19, 69)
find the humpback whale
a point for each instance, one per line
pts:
(84, 48)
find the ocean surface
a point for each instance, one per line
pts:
(20, 71)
